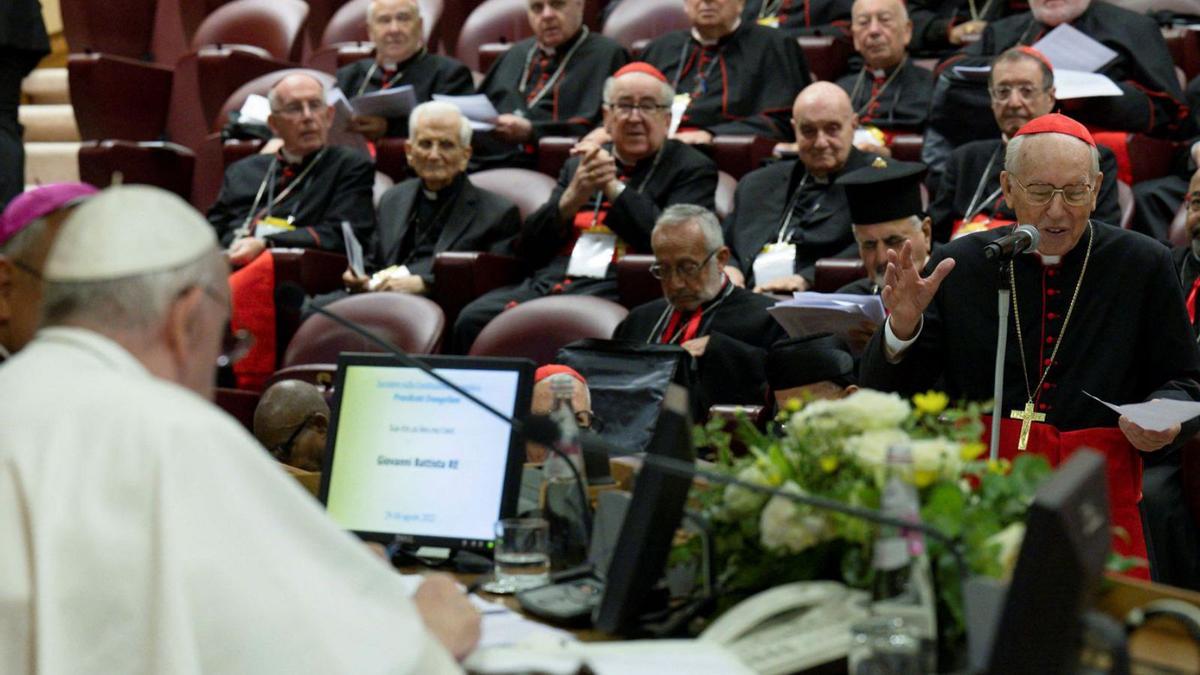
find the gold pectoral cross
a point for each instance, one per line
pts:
(1027, 417)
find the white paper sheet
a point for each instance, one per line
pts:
(591, 255)
(649, 657)
(1068, 48)
(1078, 84)
(354, 249)
(838, 313)
(1157, 415)
(256, 108)
(476, 107)
(339, 133)
(396, 102)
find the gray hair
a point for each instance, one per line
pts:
(273, 95)
(1012, 155)
(371, 9)
(29, 238)
(131, 303)
(440, 109)
(666, 92)
(682, 214)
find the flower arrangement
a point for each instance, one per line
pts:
(837, 449)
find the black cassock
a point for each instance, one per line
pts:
(559, 94)
(744, 84)
(740, 332)
(802, 17)
(680, 175)
(933, 19)
(1127, 341)
(820, 224)
(970, 185)
(426, 73)
(1152, 100)
(893, 100)
(331, 185)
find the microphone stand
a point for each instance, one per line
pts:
(1003, 303)
(516, 424)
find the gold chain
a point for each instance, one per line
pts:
(1012, 277)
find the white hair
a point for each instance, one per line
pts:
(1012, 155)
(132, 303)
(682, 214)
(371, 9)
(666, 92)
(440, 109)
(273, 94)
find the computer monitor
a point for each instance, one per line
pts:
(1061, 563)
(659, 496)
(409, 459)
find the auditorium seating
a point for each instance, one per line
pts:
(166, 165)
(907, 147)
(240, 404)
(116, 27)
(345, 38)
(635, 285)
(537, 329)
(529, 190)
(461, 276)
(833, 273)
(411, 322)
(644, 20)
(275, 26)
(739, 155)
(493, 21)
(118, 97)
(553, 152)
(828, 57)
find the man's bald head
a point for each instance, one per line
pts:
(291, 420)
(824, 121)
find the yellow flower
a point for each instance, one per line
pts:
(829, 463)
(1000, 466)
(971, 451)
(924, 478)
(792, 405)
(931, 402)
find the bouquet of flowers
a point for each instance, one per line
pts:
(837, 449)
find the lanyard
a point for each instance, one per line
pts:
(791, 208)
(530, 103)
(668, 322)
(862, 75)
(701, 86)
(386, 83)
(976, 205)
(273, 200)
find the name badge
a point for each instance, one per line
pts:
(592, 254)
(775, 262)
(273, 225)
(769, 21)
(868, 135)
(679, 106)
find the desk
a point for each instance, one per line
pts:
(1161, 645)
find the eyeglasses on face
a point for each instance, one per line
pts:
(284, 451)
(646, 108)
(1039, 194)
(1001, 92)
(686, 269)
(297, 109)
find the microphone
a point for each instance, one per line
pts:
(541, 429)
(1023, 239)
(290, 296)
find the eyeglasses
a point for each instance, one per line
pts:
(283, 452)
(647, 108)
(301, 108)
(1000, 93)
(234, 347)
(686, 269)
(1038, 195)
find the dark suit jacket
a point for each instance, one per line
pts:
(428, 74)
(478, 221)
(22, 28)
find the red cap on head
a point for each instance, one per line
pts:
(1026, 49)
(555, 369)
(641, 67)
(1055, 123)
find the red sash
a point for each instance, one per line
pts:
(1122, 464)
(252, 290)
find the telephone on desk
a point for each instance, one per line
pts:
(791, 627)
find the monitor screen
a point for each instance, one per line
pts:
(409, 458)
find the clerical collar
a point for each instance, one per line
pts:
(446, 192)
(565, 46)
(706, 42)
(1050, 259)
(292, 158)
(393, 66)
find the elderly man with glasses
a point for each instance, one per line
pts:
(1095, 309)
(969, 199)
(607, 199)
(725, 328)
(298, 196)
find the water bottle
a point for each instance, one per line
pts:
(564, 504)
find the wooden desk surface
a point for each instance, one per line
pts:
(1161, 645)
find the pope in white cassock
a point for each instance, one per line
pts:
(142, 530)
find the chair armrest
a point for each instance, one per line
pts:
(635, 285)
(459, 277)
(739, 155)
(833, 273)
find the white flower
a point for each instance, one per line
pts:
(738, 500)
(932, 458)
(1009, 539)
(870, 448)
(864, 409)
(786, 526)
(936, 457)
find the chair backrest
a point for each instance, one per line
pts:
(529, 190)
(492, 21)
(240, 404)
(411, 322)
(828, 57)
(726, 186)
(118, 27)
(165, 165)
(261, 85)
(1125, 199)
(102, 89)
(349, 22)
(631, 22)
(833, 273)
(537, 329)
(274, 25)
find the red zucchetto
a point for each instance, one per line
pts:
(1055, 123)
(1030, 51)
(556, 369)
(641, 67)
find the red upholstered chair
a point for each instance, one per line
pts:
(529, 190)
(118, 97)
(1125, 199)
(633, 22)
(240, 404)
(1184, 45)
(726, 186)
(320, 375)
(320, 14)
(276, 26)
(635, 285)
(454, 17)
(489, 53)
(833, 273)
(165, 165)
(537, 329)
(390, 158)
(828, 57)
(461, 276)
(114, 27)
(411, 322)
(739, 155)
(1149, 157)
(907, 147)
(492, 21)
(553, 152)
